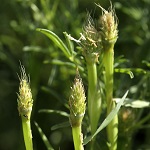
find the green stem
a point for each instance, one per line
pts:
(77, 138)
(92, 86)
(93, 100)
(27, 133)
(112, 128)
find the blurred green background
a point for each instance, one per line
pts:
(50, 83)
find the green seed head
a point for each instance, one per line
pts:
(25, 100)
(77, 102)
(90, 41)
(109, 25)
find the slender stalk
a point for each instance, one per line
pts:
(112, 128)
(27, 133)
(93, 101)
(77, 138)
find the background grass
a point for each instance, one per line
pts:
(51, 83)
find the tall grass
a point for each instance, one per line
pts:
(50, 71)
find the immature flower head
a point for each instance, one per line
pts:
(90, 40)
(77, 102)
(109, 25)
(25, 100)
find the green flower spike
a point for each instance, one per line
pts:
(77, 102)
(25, 103)
(25, 100)
(109, 25)
(90, 41)
(77, 107)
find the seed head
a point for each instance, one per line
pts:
(77, 102)
(109, 25)
(90, 40)
(25, 100)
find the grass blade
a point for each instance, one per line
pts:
(57, 41)
(44, 138)
(61, 125)
(62, 63)
(62, 113)
(133, 103)
(107, 120)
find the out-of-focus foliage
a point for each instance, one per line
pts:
(50, 82)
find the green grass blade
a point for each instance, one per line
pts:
(137, 104)
(57, 41)
(44, 138)
(59, 62)
(60, 125)
(62, 113)
(133, 103)
(107, 120)
(146, 63)
(127, 71)
(130, 71)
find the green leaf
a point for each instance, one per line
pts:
(61, 125)
(120, 60)
(108, 119)
(134, 103)
(130, 71)
(57, 41)
(34, 49)
(127, 71)
(146, 63)
(62, 113)
(44, 138)
(59, 62)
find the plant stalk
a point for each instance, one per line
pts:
(77, 137)
(93, 101)
(112, 128)
(27, 133)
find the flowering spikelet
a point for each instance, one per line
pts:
(77, 102)
(109, 24)
(25, 100)
(90, 40)
(91, 34)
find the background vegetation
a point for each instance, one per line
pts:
(50, 83)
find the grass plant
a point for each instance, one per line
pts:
(94, 59)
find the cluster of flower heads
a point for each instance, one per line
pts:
(93, 40)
